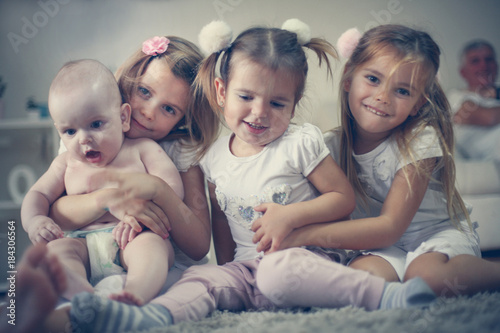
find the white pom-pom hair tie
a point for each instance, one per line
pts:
(215, 37)
(300, 28)
(347, 42)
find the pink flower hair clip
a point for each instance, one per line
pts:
(155, 46)
(347, 42)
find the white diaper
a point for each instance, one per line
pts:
(103, 252)
(103, 257)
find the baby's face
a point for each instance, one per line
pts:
(90, 125)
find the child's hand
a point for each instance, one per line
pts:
(133, 198)
(43, 230)
(123, 234)
(271, 228)
(135, 211)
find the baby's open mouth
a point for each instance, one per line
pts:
(93, 156)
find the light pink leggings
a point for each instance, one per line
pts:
(289, 278)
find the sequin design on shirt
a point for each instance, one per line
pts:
(241, 209)
(364, 179)
(381, 168)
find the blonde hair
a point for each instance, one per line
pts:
(271, 47)
(183, 58)
(416, 47)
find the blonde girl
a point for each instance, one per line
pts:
(157, 83)
(396, 147)
(267, 172)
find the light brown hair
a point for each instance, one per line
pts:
(274, 48)
(183, 59)
(416, 47)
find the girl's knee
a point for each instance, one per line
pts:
(276, 269)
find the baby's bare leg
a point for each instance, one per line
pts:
(73, 254)
(147, 260)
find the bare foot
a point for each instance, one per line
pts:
(39, 282)
(127, 298)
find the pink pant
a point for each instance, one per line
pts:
(293, 277)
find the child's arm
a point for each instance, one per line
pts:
(400, 206)
(76, 211)
(474, 114)
(36, 203)
(190, 225)
(158, 164)
(336, 202)
(191, 217)
(224, 245)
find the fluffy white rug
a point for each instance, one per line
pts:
(477, 314)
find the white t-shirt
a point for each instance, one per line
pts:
(458, 97)
(473, 141)
(376, 171)
(180, 153)
(276, 174)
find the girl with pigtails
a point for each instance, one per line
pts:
(267, 178)
(395, 145)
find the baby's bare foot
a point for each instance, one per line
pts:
(40, 280)
(127, 298)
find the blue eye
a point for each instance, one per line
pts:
(169, 109)
(70, 131)
(143, 91)
(372, 79)
(403, 92)
(96, 124)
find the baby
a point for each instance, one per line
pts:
(86, 106)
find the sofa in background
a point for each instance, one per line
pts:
(479, 184)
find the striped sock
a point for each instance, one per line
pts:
(414, 293)
(93, 313)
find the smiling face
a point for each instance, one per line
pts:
(258, 105)
(159, 102)
(90, 123)
(479, 67)
(380, 99)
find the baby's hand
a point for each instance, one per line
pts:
(43, 230)
(271, 228)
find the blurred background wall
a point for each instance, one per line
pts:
(37, 37)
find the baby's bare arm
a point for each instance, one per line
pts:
(36, 203)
